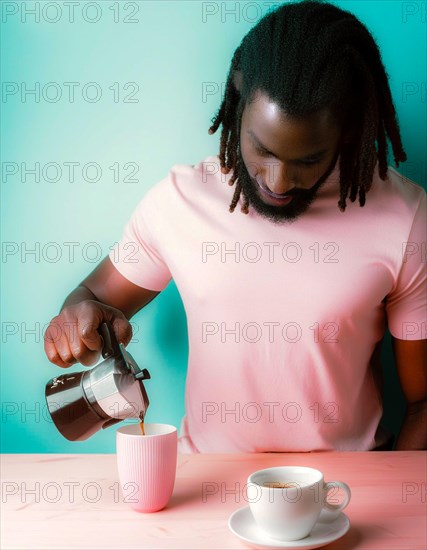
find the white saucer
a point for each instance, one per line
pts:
(243, 525)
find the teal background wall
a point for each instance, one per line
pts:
(158, 68)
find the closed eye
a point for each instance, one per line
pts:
(307, 162)
(264, 152)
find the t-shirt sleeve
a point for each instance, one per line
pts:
(406, 304)
(137, 255)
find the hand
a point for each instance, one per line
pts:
(72, 336)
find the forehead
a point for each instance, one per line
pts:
(272, 125)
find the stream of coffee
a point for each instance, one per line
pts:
(141, 422)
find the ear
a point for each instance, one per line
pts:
(238, 80)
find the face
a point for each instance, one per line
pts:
(284, 160)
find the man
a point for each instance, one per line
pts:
(288, 302)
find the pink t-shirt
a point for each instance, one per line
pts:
(282, 319)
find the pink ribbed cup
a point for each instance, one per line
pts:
(147, 465)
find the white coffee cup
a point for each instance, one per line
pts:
(290, 513)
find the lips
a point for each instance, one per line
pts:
(276, 202)
(273, 198)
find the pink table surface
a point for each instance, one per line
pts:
(65, 501)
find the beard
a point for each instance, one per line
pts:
(301, 198)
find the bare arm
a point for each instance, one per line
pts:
(106, 285)
(410, 358)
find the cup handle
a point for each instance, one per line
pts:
(334, 510)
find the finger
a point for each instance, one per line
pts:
(122, 330)
(51, 337)
(89, 322)
(83, 354)
(54, 357)
(63, 348)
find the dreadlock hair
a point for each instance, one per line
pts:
(307, 56)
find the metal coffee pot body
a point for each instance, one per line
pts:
(82, 403)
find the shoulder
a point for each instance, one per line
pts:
(187, 187)
(397, 199)
(206, 170)
(185, 176)
(402, 190)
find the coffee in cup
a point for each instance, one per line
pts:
(286, 501)
(278, 484)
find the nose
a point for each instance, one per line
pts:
(280, 178)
